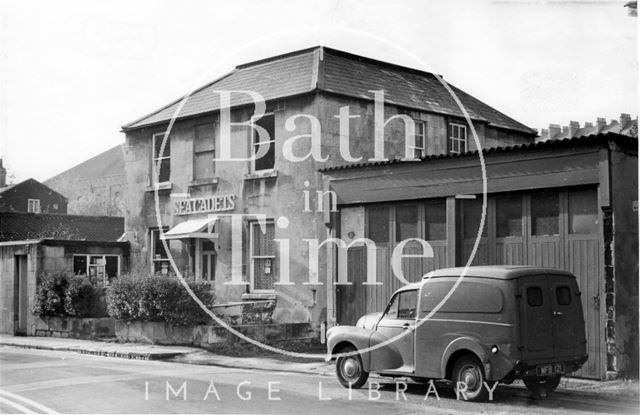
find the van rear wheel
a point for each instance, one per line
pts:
(349, 369)
(468, 379)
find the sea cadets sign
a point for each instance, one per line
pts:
(205, 204)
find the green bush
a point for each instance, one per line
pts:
(158, 298)
(65, 294)
(83, 299)
(50, 294)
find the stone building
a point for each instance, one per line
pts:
(271, 256)
(95, 186)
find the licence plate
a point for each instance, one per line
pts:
(546, 370)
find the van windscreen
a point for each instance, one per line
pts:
(469, 297)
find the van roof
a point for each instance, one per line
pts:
(500, 272)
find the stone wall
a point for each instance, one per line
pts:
(75, 328)
(162, 333)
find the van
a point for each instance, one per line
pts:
(474, 327)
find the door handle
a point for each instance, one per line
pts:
(557, 313)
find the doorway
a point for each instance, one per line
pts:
(21, 295)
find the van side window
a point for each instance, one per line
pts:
(563, 295)
(392, 310)
(534, 296)
(407, 305)
(403, 305)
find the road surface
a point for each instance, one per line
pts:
(38, 381)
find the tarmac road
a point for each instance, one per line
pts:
(39, 381)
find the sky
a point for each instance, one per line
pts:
(73, 72)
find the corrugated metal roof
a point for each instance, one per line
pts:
(338, 72)
(16, 226)
(527, 146)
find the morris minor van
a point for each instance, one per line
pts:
(498, 324)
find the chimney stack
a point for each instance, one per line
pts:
(543, 136)
(600, 124)
(565, 132)
(554, 131)
(574, 126)
(3, 175)
(624, 119)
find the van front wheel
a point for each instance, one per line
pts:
(349, 369)
(468, 379)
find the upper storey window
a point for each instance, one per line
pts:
(457, 138)
(161, 167)
(265, 146)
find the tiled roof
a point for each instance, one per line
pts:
(23, 226)
(338, 72)
(352, 75)
(563, 142)
(288, 75)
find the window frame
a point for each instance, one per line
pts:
(196, 153)
(33, 206)
(416, 147)
(460, 142)
(88, 265)
(152, 251)
(252, 224)
(254, 143)
(155, 160)
(211, 256)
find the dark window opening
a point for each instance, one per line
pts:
(563, 295)
(472, 214)
(508, 216)
(406, 222)
(378, 224)
(267, 161)
(435, 220)
(80, 264)
(534, 296)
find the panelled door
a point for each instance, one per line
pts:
(556, 229)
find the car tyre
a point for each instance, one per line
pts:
(470, 371)
(350, 371)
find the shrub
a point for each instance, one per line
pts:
(50, 294)
(158, 298)
(65, 294)
(83, 299)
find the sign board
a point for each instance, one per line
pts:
(206, 204)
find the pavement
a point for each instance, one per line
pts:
(614, 389)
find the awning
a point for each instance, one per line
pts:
(193, 228)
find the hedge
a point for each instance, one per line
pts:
(158, 298)
(65, 294)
